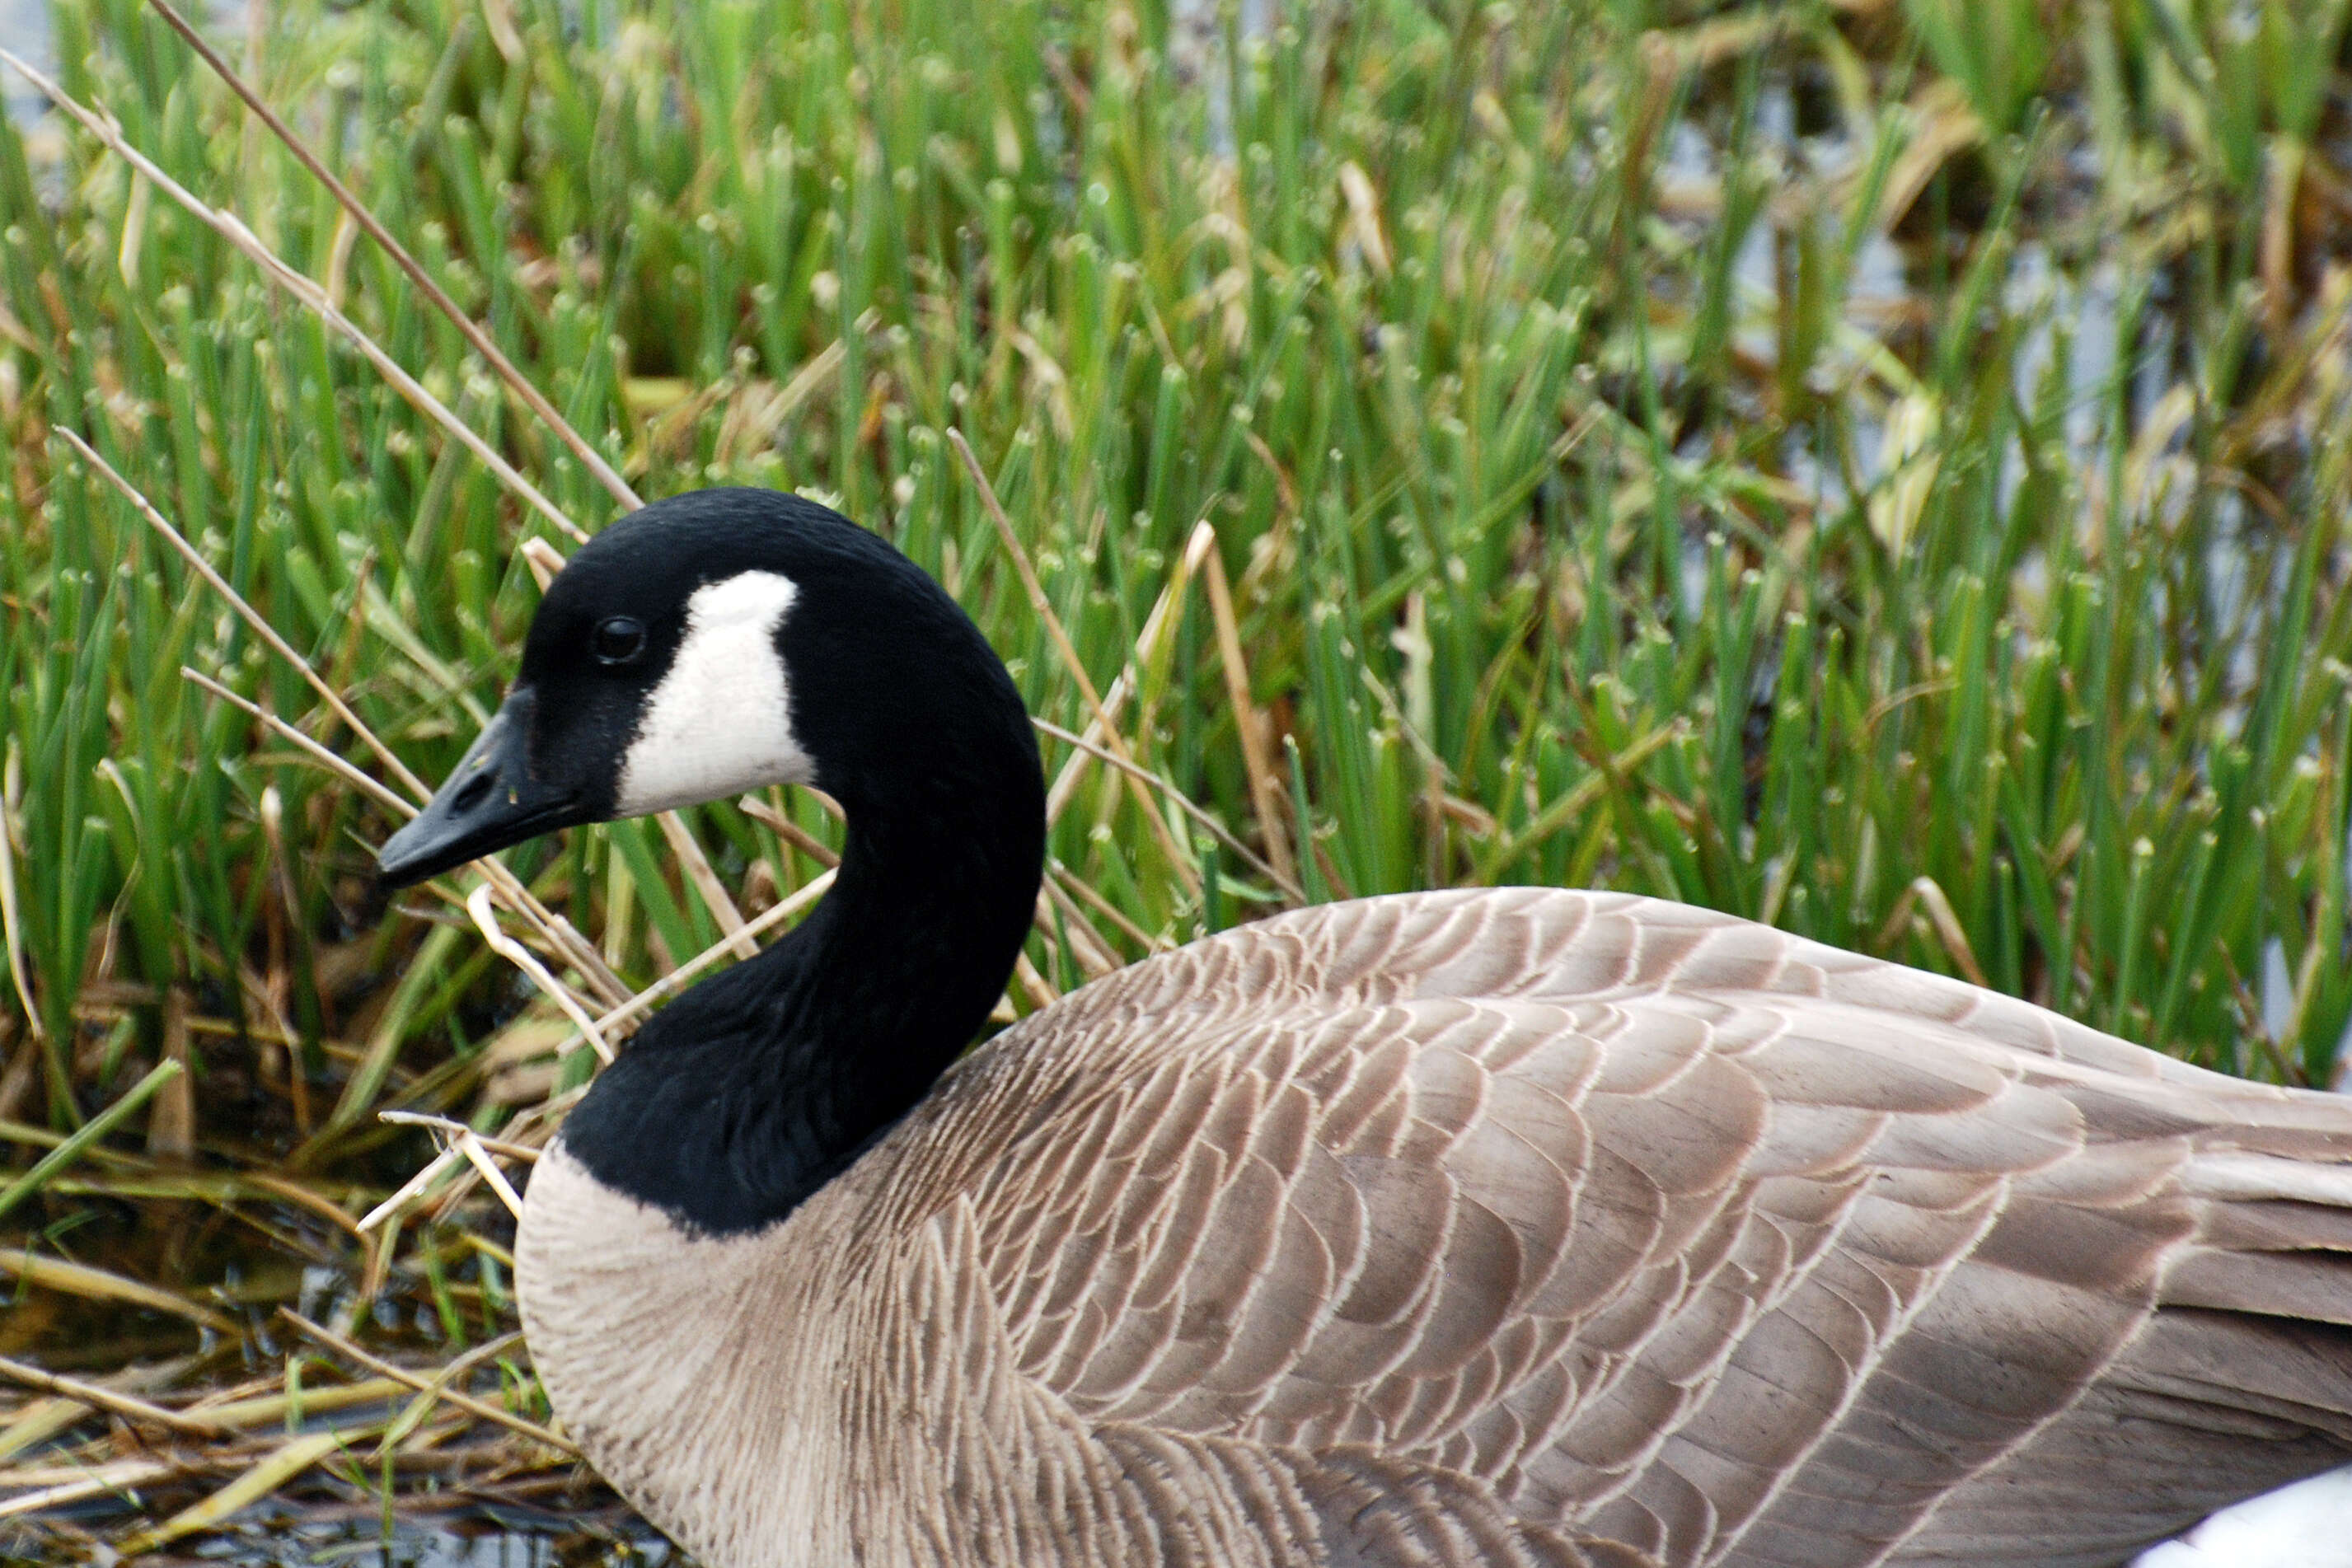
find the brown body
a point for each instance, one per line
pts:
(1515, 1226)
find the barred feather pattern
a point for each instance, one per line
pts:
(1502, 1228)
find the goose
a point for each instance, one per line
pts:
(1500, 1226)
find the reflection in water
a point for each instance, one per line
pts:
(275, 1537)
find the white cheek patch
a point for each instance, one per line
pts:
(720, 721)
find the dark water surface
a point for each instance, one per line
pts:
(276, 1535)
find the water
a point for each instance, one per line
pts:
(274, 1537)
(463, 1499)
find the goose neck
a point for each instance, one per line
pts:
(748, 1093)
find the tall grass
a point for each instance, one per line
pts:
(1876, 468)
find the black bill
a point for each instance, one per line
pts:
(489, 802)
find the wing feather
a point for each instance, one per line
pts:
(1575, 1227)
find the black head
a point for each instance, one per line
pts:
(714, 643)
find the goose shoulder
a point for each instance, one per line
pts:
(1517, 1226)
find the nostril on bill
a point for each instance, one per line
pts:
(472, 794)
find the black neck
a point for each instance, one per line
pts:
(754, 1089)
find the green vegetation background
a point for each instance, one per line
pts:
(1878, 468)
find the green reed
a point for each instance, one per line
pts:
(1878, 472)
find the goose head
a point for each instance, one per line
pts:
(718, 642)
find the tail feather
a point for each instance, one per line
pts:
(2205, 1409)
(2239, 1383)
(2309, 1287)
(2317, 1180)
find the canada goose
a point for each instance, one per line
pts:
(1499, 1227)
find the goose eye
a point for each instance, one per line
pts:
(618, 640)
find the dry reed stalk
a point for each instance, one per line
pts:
(455, 1137)
(785, 828)
(481, 342)
(409, 1191)
(404, 1427)
(674, 981)
(1266, 796)
(704, 878)
(283, 915)
(1177, 798)
(1166, 611)
(609, 987)
(465, 1402)
(1923, 891)
(98, 1396)
(486, 921)
(331, 760)
(1108, 910)
(39, 1420)
(295, 1193)
(519, 896)
(455, 1128)
(238, 1412)
(1180, 861)
(313, 297)
(171, 1118)
(98, 1285)
(1034, 985)
(1056, 912)
(16, 1066)
(543, 559)
(1151, 638)
(96, 1480)
(493, 1177)
(475, 1150)
(11, 923)
(266, 1475)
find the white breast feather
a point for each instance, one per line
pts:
(2306, 1525)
